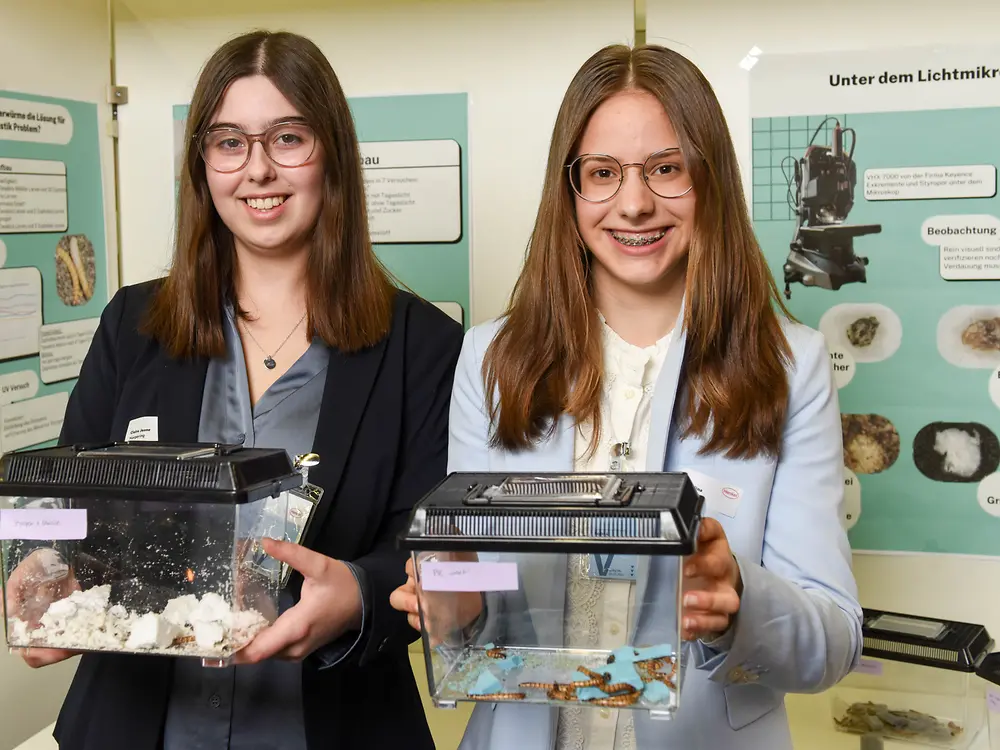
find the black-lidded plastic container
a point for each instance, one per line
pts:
(921, 680)
(144, 547)
(493, 555)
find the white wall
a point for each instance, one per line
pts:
(62, 49)
(716, 35)
(514, 58)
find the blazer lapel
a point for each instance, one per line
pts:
(179, 400)
(665, 396)
(349, 381)
(660, 431)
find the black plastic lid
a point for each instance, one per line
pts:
(989, 670)
(650, 514)
(149, 471)
(927, 641)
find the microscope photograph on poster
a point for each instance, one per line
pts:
(874, 194)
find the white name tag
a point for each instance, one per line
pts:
(720, 497)
(143, 429)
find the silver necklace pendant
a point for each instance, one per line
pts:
(269, 362)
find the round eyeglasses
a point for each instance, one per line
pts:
(598, 177)
(228, 149)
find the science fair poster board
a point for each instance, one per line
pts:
(875, 200)
(415, 157)
(53, 259)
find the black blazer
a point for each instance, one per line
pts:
(382, 440)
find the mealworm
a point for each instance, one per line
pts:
(497, 653)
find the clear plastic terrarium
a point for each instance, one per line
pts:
(921, 680)
(145, 547)
(495, 556)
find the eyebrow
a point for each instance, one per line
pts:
(270, 123)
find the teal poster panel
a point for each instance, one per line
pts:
(415, 155)
(53, 259)
(883, 227)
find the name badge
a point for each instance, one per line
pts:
(719, 496)
(142, 429)
(619, 567)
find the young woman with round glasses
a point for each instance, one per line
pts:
(645, 333)
(276, 327)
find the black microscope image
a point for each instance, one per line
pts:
(822, 248)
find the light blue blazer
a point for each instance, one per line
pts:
(799, 624)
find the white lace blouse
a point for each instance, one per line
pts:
(598, 611)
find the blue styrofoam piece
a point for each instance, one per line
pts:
(656, 692)
(487, 684)
(511, 662)
(624, 671)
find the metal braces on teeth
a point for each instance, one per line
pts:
(638, 241)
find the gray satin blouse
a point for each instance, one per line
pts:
(258, 706)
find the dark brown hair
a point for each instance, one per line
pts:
(546, 359)
(350, 293)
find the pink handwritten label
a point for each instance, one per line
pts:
(993, 701)
(869, 666)
(43, 524)
(469, 576)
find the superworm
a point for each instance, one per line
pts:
(601, 678)
(616, 700)
(498, 697)
(618, 687)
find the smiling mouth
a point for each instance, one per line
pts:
(265, 204)
(639, 239)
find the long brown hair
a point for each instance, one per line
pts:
(546, 359)
(349, 293)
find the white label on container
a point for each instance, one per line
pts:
(869, 666)
(44, 524)
(469, 576)
(993, 701)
